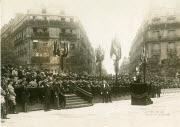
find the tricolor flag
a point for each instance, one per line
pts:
(55, 48)
(115, 49)
(99, 54)
(143, 54)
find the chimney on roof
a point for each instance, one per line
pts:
(44, 11)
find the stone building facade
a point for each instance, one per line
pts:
(32, 36)
(160, 34)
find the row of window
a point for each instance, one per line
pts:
(156, 48)
(54, 30)
(18, 36)
(170, 19)
(63, 19)
(157, 33)
(21, 51)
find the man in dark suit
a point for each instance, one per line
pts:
(104, 91)
(109, 93)
(158, 90)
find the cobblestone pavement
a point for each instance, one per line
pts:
(165, 112)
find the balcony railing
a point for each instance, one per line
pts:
(163, 38)
(17, 41)
(165, 25)
(68, 36)
(40, 35)
(49, 22)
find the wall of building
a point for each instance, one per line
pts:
(159, 36)
(24, 39)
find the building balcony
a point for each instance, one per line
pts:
(68, 36)
(18, 41)
(40, 35)
(38, 22)
(164, 25)
(162, 38)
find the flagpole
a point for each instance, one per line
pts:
(144, 64)
(100, 70)
(116, 69)
(144, 71)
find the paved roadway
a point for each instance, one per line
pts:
(165, 112)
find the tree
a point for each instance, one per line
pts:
(8, 56)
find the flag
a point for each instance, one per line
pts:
(64, 48)
(99, 54)
(55, 48)
(143, 53)
(58, 48)
(115, 49)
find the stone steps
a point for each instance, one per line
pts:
(78, 106)
(73, 101)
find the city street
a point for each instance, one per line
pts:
(165, 112)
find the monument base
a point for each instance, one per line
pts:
(140, 94)
(141, 101)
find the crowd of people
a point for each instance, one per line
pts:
(61, 84)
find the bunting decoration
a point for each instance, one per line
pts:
(64, 48)
(60, 48)
(55, 48)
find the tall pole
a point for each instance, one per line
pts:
(100, 69)
(62, 60)
(116, 70)
(144, 65)
(144, 70)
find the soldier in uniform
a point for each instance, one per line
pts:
(12, 97)
(153, 90)
(61, 97)
(3, 108)
(158, 90)
(4, 101)
(47, 96)
(65, 85)
(24, 96)
(57, 92)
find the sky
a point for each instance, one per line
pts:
(102, 19)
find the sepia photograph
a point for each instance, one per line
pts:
(90, 63)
